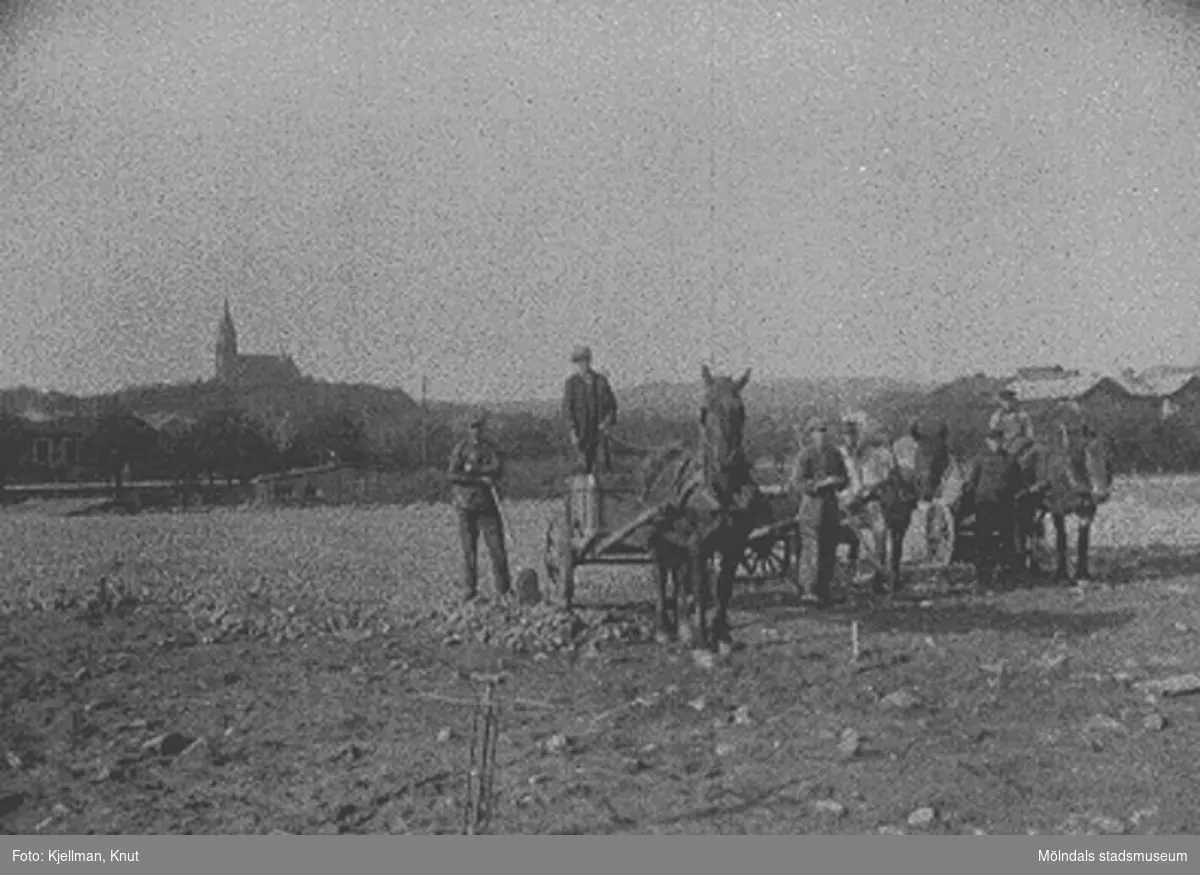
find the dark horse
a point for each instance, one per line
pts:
(708, 505)
(923, 470)
(1068, 476)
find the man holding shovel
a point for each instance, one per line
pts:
(476, 467)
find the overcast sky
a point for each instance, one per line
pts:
(389, 188)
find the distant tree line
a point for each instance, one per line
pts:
(227, 444)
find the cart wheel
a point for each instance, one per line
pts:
(560, 563)
(767, 559)
(940, 535)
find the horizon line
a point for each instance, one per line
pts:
(815, 378)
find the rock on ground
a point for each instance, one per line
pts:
(534, 628)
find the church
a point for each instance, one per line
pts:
(235, 369)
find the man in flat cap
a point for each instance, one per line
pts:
(590, 409)
(1013, 422)
(991, 488)
(476, 467)
(818, 474)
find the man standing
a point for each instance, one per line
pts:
(590, 409)
(991, 487)
(476, 467)
(819, 474)
(1010, 420)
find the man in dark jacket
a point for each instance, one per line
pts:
(590, 409)
(819, 475)
(476, 467)
(991, 487)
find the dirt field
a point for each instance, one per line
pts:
(249, 672)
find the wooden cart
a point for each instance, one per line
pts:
(604, 523)
(950, 537)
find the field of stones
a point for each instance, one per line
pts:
(307, 671)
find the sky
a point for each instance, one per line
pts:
(465, 189)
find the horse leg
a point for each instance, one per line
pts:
(721, 631)
(1037, 534)
(1060, 548)
(1016, 538)
(663, 571)
(689, 602)
(1083, 539)
(698, 573)
(684, 600)
(1021, 549)
(881, 581)
(895, 547)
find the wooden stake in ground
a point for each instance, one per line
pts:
(854, 640)
(481, 771)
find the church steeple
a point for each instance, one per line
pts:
(226, 347)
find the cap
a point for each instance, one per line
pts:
(581, 354)
(856, 419)
(1007, 393)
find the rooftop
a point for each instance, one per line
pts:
(1145, 385)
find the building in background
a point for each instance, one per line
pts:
(249, 371)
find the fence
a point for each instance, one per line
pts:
(343, 484)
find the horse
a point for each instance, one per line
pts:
(708, 505)
(912, 457)
(1071, 476)
(885, 505)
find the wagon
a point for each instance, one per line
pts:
(950, 537)
(605, 523)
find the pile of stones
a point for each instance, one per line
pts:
(539, 628)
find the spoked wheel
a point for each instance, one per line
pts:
(767, 558)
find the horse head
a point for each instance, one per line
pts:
(1097, 462)
(722, 426)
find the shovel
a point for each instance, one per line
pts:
(518, 581)
(500, 510)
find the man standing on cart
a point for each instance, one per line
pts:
(590, 408)
(1013, 424)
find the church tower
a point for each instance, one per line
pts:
(226, 348)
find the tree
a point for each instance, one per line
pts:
(119, 440)
(525, 436)
(328, 435)
(14, 441)
(230, 443)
